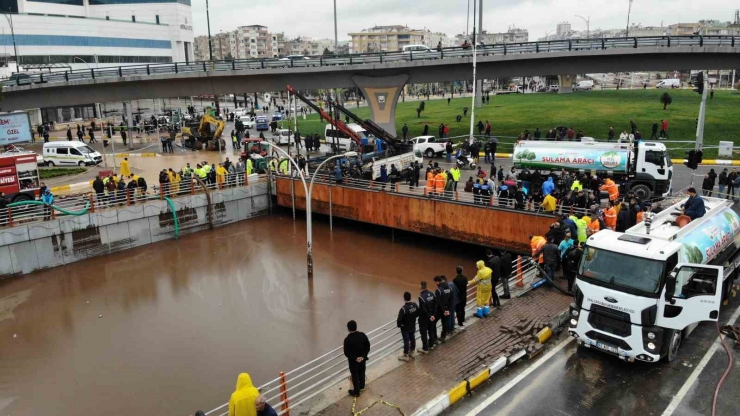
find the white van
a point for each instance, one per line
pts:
(70, 153)
(669, 83)
(334, 137)
(282, 136)
(584, 86)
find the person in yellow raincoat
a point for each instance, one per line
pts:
(242, 399)
(483, 296)
(221, 174)
(125, 168)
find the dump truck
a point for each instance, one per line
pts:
(644, 168)
(639, 293)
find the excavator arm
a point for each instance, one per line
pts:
(205, 120)
(339, 124)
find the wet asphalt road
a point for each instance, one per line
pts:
(580, 381)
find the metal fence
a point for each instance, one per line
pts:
(373, 58)
(25, 214)
(296, 387)
(460, 196)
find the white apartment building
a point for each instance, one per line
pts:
(79, 34)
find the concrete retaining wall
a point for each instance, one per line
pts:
(35, 246)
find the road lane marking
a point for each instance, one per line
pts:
(673, 405)
(481, 407)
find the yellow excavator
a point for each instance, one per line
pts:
(195, 139)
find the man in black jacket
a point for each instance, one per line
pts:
(99, 188)
(461, 282)
(551, 254)
(494, 263)
(407, 322)
(506, 268)
(356, 349)
(427, 319)
(444, 306)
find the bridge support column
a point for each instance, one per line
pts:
(129, 122)
(382, 96)
(566, 83)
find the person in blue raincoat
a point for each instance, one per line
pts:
(548, 187)
(48, 199)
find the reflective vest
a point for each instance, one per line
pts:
(439, 182)
(430, 180)
(185, 170)
(610, 218)
(284, 166)
(612, 188)
(537, 243)
(207, 168)
(455, 174)
(201, 173)
(250, 167)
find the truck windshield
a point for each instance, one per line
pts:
(620, 270)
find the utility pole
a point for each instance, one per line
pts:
(472, 104)
(479, 85)
(210, 43)
(9, 18)
(702, 115)
(629, 11)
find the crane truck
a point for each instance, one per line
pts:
(639, 293)
(642, 167)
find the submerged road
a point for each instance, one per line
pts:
(166, 328)
(572, 380)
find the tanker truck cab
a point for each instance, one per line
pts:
(638, 294)
(652, 174)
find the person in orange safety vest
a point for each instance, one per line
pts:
(610, 187)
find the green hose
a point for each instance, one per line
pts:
(174, 216)
(62, 210)
(87, 206)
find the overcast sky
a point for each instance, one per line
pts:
(315, 18)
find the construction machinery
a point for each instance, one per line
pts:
(196, 137)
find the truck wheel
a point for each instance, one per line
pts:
(21, 197)
(429, 153)
(642, 191)
(674, 343)
(50, 164)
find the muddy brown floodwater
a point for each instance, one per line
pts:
(165, 329)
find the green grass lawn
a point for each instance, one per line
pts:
(593, 112)
(49, 173)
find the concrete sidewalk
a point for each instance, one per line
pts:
(413, 385)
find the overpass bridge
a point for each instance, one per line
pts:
(381, 76)
(455, 216)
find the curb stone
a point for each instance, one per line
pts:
(442, 402)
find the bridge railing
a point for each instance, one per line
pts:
(373, 58)
(25, 214)
(294, 388)
(459, 196)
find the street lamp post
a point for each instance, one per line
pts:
(588, 26)
(629, 11)
(210, 43)
(309, 191)
(9, 18)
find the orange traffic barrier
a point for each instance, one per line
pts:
(490, 200)
(161, 191)
(457, 198)
(285, 407)
(92, 203)
(371, 184)
(396, 187)
(192, 187)
(519, 272)
(246, 179)
(10, 217)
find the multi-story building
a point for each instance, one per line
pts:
(639, 30)
(82, 33)
(681, 29)
(387, 38)
(563, 30)
(513, 35)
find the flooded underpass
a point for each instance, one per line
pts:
(166, 328)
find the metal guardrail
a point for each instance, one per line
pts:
(372, 58)
(492, 201)
(294, 388)
(34, 213)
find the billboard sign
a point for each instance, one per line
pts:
(14, 128)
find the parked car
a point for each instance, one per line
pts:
(282, 136)
(669, 83)
(554, 88)
(430, 146)
(249, 121)
(584, 86)
(70, 153)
